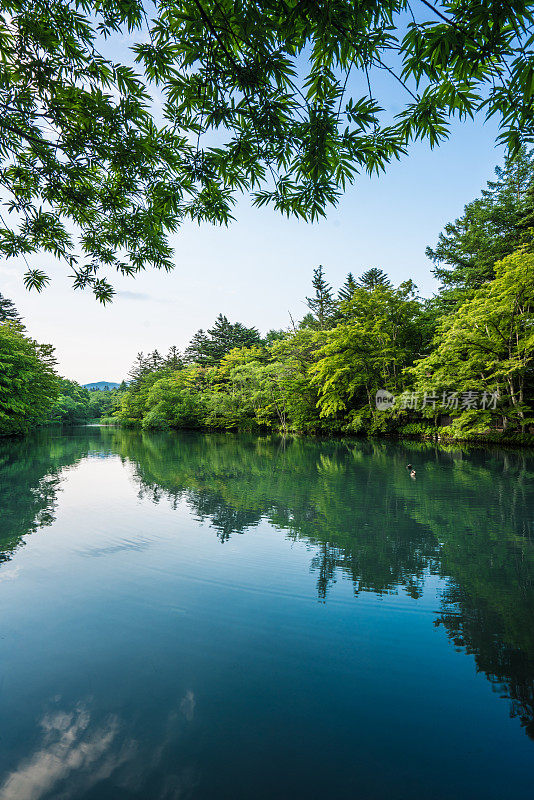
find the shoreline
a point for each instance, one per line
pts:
(432, 436)
(435, 436)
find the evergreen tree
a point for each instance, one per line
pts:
(138, 368)
(208, 348)
(347, 290)
(321, 305)
(197, 347)
(492, 227)
(308, 321)
(146, 365)
(272, 336)
(173, 359)
(8, 312)
(154, 361)
(374, 278)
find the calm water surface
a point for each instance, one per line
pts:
(207, 616)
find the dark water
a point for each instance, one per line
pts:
(192, 616)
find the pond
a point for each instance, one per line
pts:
(221, 616)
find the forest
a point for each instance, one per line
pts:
(458, 365)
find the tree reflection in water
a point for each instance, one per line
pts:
(467, 519)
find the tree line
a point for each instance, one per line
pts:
(461, 361)
(372, 357)
(32, 393)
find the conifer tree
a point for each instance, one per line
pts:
(492, 227)
(208, 348)
(155, 361)
(321, 305)
(347, 290)
(196, 347)
(374, 278)
(138, 368)
(8, 312)
(173, 359)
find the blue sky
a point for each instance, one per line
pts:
(258, 270)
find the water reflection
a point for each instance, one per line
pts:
(77, 753)
(467, 519)
(70, 744)
(30, 470)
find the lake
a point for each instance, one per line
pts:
(219, 616)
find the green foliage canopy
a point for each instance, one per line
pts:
(491, 228)
(209, 348)
(75, 404)
(28, 382)
(273, 98)
(369, 349)
(488, 343)
(8, 312)
(315, 377)
(321, 304)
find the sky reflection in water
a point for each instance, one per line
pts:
(201, 616)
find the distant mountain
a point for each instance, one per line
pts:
(102, 385)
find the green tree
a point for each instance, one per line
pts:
(87, 172)
(146, 365)
(295, 356)
(233, 392)
(173, 359)
(249, 391)
(73, 403)
(254, 99)
(374, 278)
(175, 401)
(321, 304)
(28, 382)
(209, 348)
(8, 312)
(132, 405)
(492, 227)
(347, 290)
(487, 346)
(380, 336)
(273, 336)
(197, 348)
(129, 403)
(138, 369)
